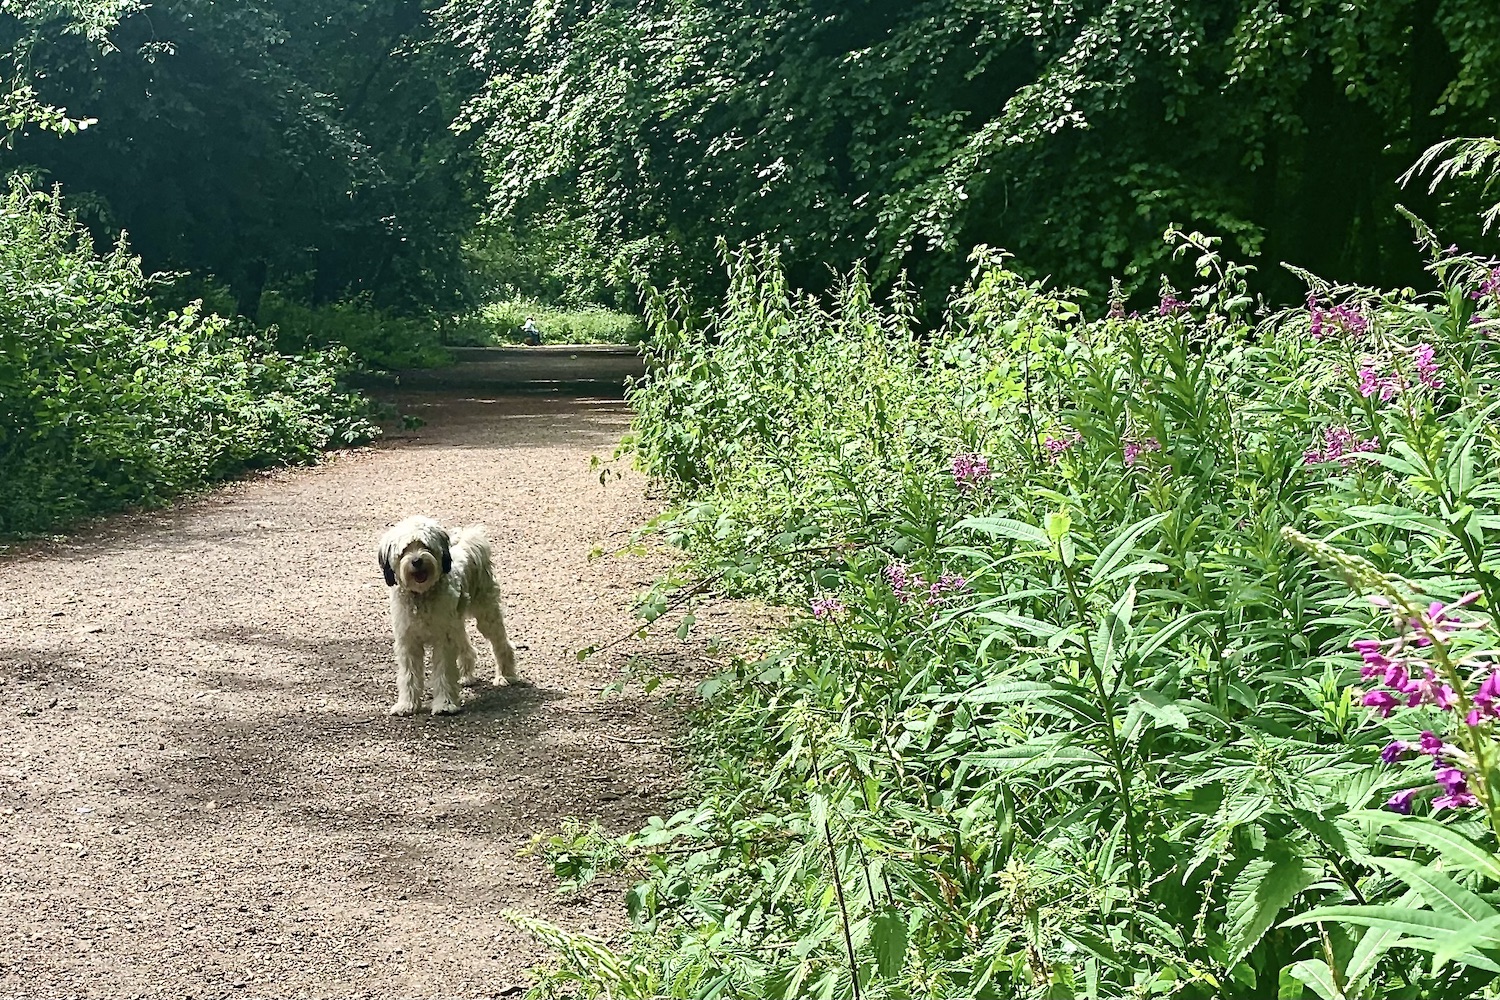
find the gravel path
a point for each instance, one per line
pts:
(200, 792)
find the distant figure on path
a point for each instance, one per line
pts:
(532, 333)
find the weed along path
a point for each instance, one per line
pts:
(201, 794)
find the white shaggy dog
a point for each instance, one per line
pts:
(437, 584)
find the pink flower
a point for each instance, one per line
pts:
(948, 583)
(1057, 445)
(1455, 800)
(1382, 701)
(1338, 320)
(1133, 449)
(826, 607)
(903, 581)
(1339, 444)
(969, 470)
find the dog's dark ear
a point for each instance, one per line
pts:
(385, 567)
(446, 555)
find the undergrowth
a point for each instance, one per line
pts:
(106, 402)
(500, 323)
(1088, 699)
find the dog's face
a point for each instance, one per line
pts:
(414, 555)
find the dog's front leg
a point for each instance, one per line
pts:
(409, 657)
(445, 696)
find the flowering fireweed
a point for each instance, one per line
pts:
(1425, 665)
(1084, 715)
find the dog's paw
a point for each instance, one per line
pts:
(403, 708)
(444, 706)
(512, 679)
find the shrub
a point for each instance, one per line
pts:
(103, 404)
(1071, 710)
(378, 339)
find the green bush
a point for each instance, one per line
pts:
(103, 404)
(1071, 710)
(500, 323)
(376, 338)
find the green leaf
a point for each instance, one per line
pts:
(1483, 935)
(1318, 977)
(1163, 709)
(1120, 547)
(888, 938)
(1456, 849)
(1006, 527)
(1417, 923)
(1261, 891)
(1165, 635)
(1438, 891)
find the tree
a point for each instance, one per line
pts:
(1073, 134)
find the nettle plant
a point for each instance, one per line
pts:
(1075, 709)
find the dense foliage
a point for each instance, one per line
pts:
(1072, 708)
(905, 133)
(298, 145)
(104, 403)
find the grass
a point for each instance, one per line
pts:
(500, 323)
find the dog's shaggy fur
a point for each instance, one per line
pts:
(437, 583)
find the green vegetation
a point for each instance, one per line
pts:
(500, 323)
(1147, 652)
(1072, 709)
(1072, 134)
(104, 402)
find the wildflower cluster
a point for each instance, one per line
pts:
(1450, 777)
(1341, 445)
(1343, 320)
(969, 470)
(1170, 305)
(1387, 384)
(1489, 288)
(826, 607)
(1057, 445)
(1427, 369)
(1133, 449)
(909, 586)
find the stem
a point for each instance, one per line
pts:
(1106, 705)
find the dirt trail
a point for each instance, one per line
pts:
(200, 792)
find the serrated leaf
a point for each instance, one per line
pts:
(1483, 935)
(1163, 709)
(1417, 923)
(1262, 891)
(888, 939)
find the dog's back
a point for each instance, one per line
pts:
(472, 562)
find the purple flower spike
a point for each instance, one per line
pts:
(1393, 752)
(1401, 801)
(1382, 701)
